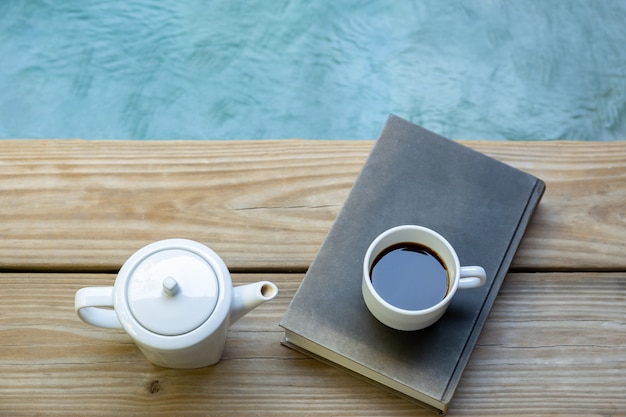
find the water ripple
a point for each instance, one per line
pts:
(490, 69)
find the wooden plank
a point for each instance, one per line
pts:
(553, 345)
(581, 221)
(88, 205)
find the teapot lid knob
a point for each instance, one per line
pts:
(170, 286)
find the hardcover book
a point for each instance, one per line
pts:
(412, 176)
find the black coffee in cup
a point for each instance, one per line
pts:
(410, 276)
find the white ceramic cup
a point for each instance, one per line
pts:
(459, 277)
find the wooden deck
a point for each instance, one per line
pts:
(71, 212)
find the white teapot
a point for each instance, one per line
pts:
(176, 300)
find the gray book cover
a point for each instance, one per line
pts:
(412, 176)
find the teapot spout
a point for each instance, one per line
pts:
(247, 297)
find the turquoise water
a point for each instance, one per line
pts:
(169, 69)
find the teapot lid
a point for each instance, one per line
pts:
(172, 291)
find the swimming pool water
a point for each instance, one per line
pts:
(194, 69)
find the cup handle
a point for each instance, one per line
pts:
(94, 305)
(472, 277)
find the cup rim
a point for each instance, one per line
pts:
(455, 279)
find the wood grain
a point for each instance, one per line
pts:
(553, 345)
(72, 205)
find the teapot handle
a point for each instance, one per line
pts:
(94, 305)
